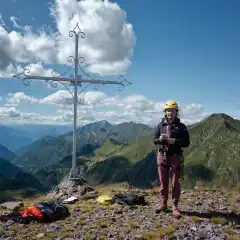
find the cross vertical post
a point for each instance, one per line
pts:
(75, 82)
(75, 109)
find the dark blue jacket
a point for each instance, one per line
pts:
(178, 131)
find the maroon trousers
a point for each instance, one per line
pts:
(163, 173)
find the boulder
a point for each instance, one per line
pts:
(14, 206)
(72, 187)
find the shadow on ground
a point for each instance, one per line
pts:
(230, 216)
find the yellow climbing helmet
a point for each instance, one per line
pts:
(171, 104)
(104, 199)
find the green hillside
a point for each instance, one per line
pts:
(217, 151)
(213, 157)
(13, 182)
(50, 150)
(6, 153)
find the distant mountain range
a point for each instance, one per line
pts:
(109, 153)
(37, 131)
(51, 150)
(213, 156)
(14, 138)
(18, 136)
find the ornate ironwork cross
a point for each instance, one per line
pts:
(74, 81)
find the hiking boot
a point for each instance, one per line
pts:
(176, 212)
(162, 208)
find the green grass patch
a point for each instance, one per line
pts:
(65, 234)
(219, 220)
(131, 224)
(162, 232)
(196, 219)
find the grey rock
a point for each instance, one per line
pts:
(41, 235)
(11, 233)
(9, 223)
(223, 208)
(196, 188)
(237, 226)
(180, 235)
(81, 189)
(91, 195)
(21, 225)
(194, 228)
(14, 206)
(198, 203)
(53, 227)
(138, 236)
(118, 211)
(202, 234)
(76, 187)
(209, 227)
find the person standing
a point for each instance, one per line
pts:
(171, 135)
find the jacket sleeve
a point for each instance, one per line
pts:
(157, 135)
(185, 139)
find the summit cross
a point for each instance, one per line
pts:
(75, 81)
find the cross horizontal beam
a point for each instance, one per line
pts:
(73, 80)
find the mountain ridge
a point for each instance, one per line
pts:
(53, 150)
(214, 148)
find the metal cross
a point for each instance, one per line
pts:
(75, 81)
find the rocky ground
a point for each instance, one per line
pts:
(207, 214)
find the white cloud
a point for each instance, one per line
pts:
(14, 21)
(20, 98)
(9, 113)
(60, 97)
(99, 106)
(2, 21)
(107, 46)
(64, 97)
(37, 69)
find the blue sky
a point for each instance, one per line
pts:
(191, 47)
(186, 50)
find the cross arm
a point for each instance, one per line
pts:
(72, 80)
(100, 81)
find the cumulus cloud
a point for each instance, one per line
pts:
(107, 46)
(98, 106)
(20, 98)
(12, 115)
(37, 69)
(9, 113)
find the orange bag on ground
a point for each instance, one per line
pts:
(33, 212)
